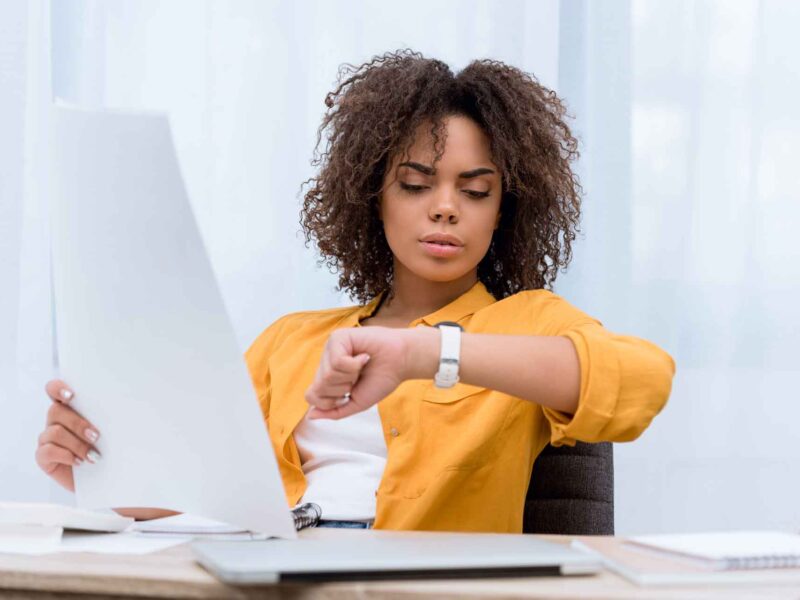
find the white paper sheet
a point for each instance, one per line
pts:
(186, 524)
(29, 539)
(50, 540)
(194, 527)
(117, 543)
(61, 516)
(143, 336)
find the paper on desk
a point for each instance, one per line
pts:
(185, 523)
(117, 543)
(143, 336)
(61, 516)
(29, 539)
(49, 540)
(194, 526)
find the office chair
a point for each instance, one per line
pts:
(572, 491)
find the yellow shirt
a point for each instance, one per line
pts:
(460, 459)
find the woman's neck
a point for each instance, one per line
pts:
(414, 297)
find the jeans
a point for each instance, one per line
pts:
(346, 524)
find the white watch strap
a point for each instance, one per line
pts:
(447, 376)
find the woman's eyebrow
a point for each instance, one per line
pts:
(431, 171)
(475, 173)
(419, 167)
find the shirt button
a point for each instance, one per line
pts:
(393, 432)
(282, 429)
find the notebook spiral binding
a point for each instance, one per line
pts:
(769, 561)
(306, 515)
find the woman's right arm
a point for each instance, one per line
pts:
(68, 440)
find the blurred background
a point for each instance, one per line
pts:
(688, 117)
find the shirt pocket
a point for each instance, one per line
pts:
(449, 395)
(459, 427)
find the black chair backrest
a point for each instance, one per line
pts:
(572, 491)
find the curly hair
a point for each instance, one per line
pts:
(372, 115)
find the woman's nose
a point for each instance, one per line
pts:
(444, 208)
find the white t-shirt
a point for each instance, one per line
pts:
(343, 462)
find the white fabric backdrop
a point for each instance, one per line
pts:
(687, 114)
(244, 83)
(26, 347)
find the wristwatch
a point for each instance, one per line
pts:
(447, 376)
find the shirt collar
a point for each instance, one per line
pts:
(468, 303)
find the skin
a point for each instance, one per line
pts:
(446, 203)
(370, 361)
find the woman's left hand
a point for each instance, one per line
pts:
(368, 363)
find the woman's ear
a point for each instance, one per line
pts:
(497, 220)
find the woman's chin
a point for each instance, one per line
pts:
(442, 273)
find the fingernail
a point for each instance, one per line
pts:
(366, 360)
(91, 435)
(77, 462)
(65, 394)
(92, 456)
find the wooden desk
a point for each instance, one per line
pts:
(172, 573)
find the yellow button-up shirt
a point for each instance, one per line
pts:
(460, 459)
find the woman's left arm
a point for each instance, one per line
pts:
(593, 384)
(543, 369)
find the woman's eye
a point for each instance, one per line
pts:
(412, 188)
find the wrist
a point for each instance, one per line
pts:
(422, 352)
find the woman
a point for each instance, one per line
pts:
(446, 203)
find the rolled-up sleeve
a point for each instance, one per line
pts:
(625, 382)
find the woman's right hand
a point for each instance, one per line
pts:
(67, 440)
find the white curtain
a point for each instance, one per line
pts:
(244, 84)
(26, 338)
(689, 114)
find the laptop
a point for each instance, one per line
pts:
(328, 554)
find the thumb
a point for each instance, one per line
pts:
(352, 364)
(337, 412)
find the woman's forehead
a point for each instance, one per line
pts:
(466, 145)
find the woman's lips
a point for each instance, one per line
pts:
(441, 250)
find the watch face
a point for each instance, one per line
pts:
(449, 324)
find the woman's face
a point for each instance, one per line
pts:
(439, 223)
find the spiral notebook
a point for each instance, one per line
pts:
(729, 549)
(743, 557)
